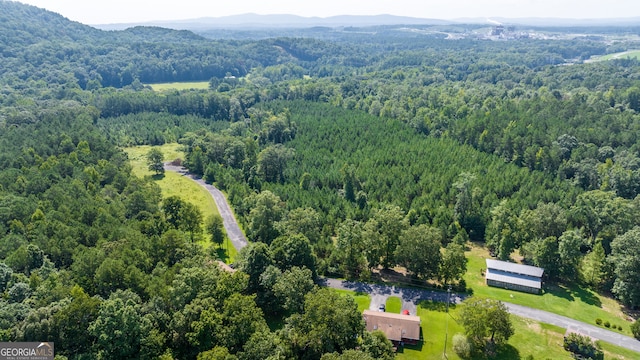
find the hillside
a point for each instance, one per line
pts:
(34, 38)
(27, 25)
(251, 21)
(366, 153)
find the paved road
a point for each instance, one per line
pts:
(583, 328)
(230, 224)
(380, 293)
(411, 297)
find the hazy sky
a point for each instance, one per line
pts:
(119, 11)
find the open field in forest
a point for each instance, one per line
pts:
(634, 54)
(179, 86)
(175, 184)
(571, 301)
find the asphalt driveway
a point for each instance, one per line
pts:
(228, 219)
(411, 297)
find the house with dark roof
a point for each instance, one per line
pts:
(513, 276)
(398, 328)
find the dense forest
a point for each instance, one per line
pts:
(342, 153)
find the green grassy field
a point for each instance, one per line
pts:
(634, 54)
(542, 341)
(616, 352)
(530, 338)
(179, 86)
(574, 302)
(394, 304)
(175, 184)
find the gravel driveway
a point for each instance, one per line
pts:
(230, 224)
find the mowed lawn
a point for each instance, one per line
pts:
(542, 341)
(577, 303)
(632, 54)
(180, 86)
(393, 305)
(531, 338)
(174, 184)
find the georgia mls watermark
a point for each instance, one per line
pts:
(26, 351)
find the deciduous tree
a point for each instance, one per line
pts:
(330, 322)
(292, 287)
(382, 233)
(626, 261)
(155, 160)
(254, 260)
(486, 318)
(215, 229)
(350, 249)
(119, 329)
(419, 250)
(377, 345)
(294, 250)
(635, 329)
(272, 162)
(266, 211)
(569, 249)
(453, 264)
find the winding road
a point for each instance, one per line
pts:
(411, 297)
(228, 219)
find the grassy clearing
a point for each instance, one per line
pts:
(574, 302)
(394, 304)
(180, 86)
(633, 54)
(175, 184)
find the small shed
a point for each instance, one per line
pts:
(398, 328)
(513, 276)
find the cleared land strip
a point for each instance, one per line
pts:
(228, 219)
(411, 298)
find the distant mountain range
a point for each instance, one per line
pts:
(278, 21)
(294, 21)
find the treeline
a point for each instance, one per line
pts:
(42, 46)
(325, 166)
(96, 261)
(342, 156)
(378, 187)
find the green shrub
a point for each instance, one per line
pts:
(582, 346)
(599, 321)
(607, 324)
(462, 346)
(635, 329)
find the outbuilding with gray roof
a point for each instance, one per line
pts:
(514, 276)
